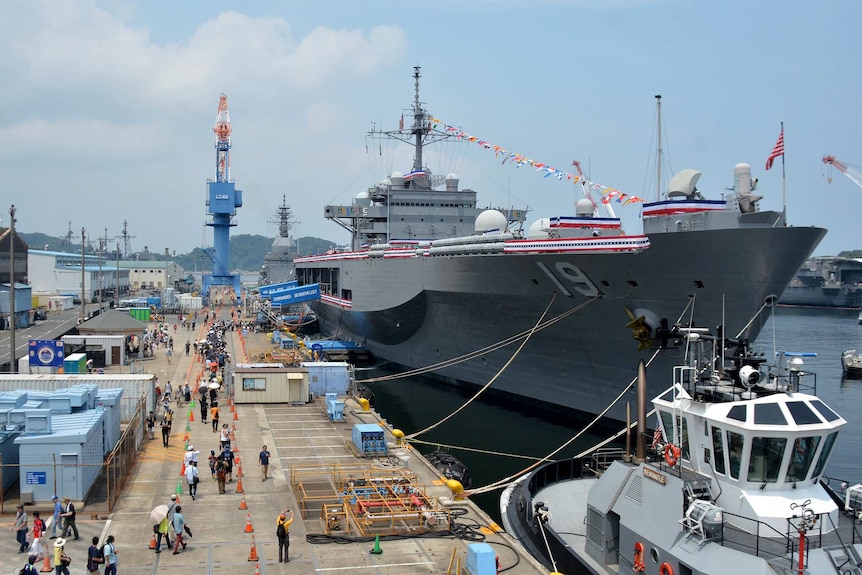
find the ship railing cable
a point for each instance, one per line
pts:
(505, 482)
(543, 515)
(479, 352)
(496, 375)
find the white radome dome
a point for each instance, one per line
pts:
(539, 229)
(362, 195)
(396, 175)
(452, 176)
(490, 221)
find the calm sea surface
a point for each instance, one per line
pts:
(500, 426)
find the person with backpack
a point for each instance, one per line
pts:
(29, 569)
(39, 527)
(95, 557)
(109, 554)
(282, 532)
(221, 474)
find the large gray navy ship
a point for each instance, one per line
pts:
(549, 312)
(826, 281)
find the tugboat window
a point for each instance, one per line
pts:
(768, 414)
(801, 458)
(824, 410)
(765, 460)
(718, 449)
(801, 413)
(736, 443)
(824, 455)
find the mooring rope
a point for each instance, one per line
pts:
(476, 450)
(496, 375)
(474, 354)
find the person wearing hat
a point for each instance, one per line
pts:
(192, 478)
(20, 528)
(56, 519)
(61, 560)
(282, 531)
(191, 455)
(68, 516)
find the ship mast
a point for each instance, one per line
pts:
(658, 151)
(420, 128)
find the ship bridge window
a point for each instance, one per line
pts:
(824, 410)
(768, 414)
(824, 454)
(718, 449)
(738, 412)
(801, 459)
(682, 426)
(801, 413)
(766, 456)
(736, 443)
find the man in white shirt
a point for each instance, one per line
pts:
(191, 455)
(192, 478)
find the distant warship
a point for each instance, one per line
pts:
(278, 263)
(826, 281)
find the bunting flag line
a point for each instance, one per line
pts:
(519, 160)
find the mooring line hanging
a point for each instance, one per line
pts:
(475, 450)
(474, 354)
(496, 375)
(512, 478)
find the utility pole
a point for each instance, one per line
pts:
(13, 364)
(101, 248)
(117, 280)
(83, 282)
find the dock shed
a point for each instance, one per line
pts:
(328, 377)
(105, 350)
(270, 383)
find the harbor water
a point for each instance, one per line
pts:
(491, 426)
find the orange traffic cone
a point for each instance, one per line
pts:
(46, 564)
(235, 414)
(253, 555)
(257, 570)
(191, 415)
(233, 436)
(152, 543)
(232, 408)
(183, 470)
(239, 488)
(236, 458)
(248, 527)
(239, 471)
(186, 436)
(234, 447)
(242, 504)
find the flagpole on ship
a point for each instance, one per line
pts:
(783, 182)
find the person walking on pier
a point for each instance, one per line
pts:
(179, 524)
(55, 520)
(192, 478)
(204, 408)
(20, 528)
(110, 553)
(263, 459)
(214, 413)
(94, 556)
(68, 516)
(166, 430)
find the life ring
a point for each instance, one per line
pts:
(671, 454)
(665, 569)
(638, 560)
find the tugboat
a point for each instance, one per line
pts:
(733, 482)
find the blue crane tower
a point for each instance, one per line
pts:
(222, 200)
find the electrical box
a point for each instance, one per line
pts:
(369, 439)
(481, 559)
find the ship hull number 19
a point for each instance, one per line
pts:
(569, 277)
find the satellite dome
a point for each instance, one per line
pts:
(584, 208)
(396, 175)
(539, 229)
(452, 176)
(491, 221)
(362, 195)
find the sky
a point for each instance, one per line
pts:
(107, 106)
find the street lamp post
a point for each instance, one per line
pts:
(101, 249)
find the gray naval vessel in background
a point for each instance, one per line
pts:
(826, 281)
(431, 280)
(278, 263)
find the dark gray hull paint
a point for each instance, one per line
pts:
(417, 312)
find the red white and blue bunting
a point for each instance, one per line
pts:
(519, 160)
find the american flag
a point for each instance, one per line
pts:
(778, 150)
(656, 437)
